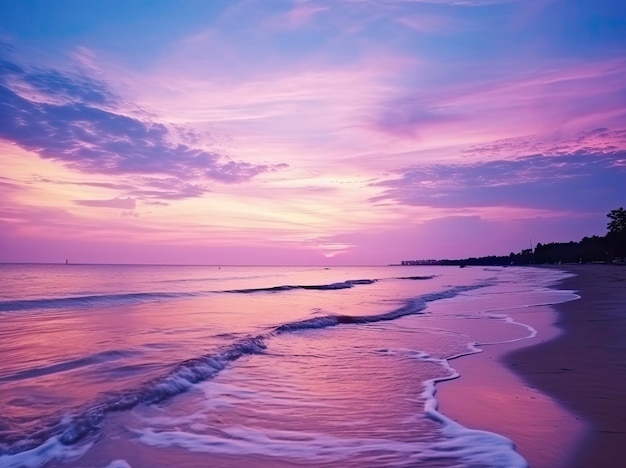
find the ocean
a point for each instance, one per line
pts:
(141, 366)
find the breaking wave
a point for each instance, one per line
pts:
(69, 429)
(139, 297)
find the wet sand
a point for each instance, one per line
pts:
(561, 395)
(584, 368)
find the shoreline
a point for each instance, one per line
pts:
(493, 397)
(559, 396)
(583, 368)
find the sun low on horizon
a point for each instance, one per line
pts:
(307, 132)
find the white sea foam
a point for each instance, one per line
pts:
(466, 446)
(52, 449)
(475, 447)
(463, 446)
(532, 332)
(469, 446)
(118, 464)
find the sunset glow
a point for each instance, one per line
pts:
(307, 132)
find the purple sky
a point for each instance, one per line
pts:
(307, 132)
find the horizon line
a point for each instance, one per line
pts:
(199, 264)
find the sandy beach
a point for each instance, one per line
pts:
(584, 367)
(558, 396)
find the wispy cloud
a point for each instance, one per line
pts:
(105, 185)
(459, 3)
(429, 23)
(120, 203)
(169, 188)
(571, 97)
(73, 120)
(402, 122)
(302, 14)
(466, 3)
(560, 181)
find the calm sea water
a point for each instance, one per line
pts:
(117, 366)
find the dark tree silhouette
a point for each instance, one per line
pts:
(618, 220)
(611, 248)
(616, 237)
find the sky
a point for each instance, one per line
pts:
(307, 132)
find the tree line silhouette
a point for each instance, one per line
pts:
(610, 248)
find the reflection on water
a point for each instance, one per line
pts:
(349, 394)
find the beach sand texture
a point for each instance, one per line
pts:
(561, 399)
(584, 368)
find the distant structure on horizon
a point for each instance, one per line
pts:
(420, 262)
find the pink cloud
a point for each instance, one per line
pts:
(428, 23)
(392, 148)
(303, 13)
(120, 203)
(569, 98)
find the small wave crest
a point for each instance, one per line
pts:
(66, 365)
(69, 429)
(416, 278)
(316, 287)
(412, 307)
(104, 300)
(86, 301)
